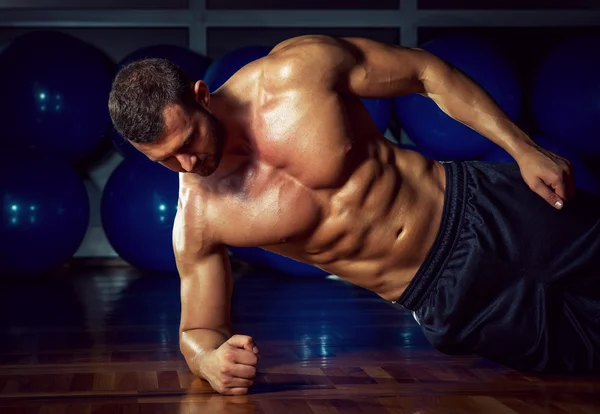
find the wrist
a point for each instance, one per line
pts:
(521, 146)
(201, 362)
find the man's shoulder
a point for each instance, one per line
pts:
(193, 232)
(206, 206)
(305, 61)
(193, 205)
(300, 44)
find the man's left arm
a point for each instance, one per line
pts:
(368, 68)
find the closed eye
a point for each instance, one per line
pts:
(189, 141)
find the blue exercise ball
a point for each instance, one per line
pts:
(192, 63)
(263, 258)
(45, 214)
(138, 207)
(420, 150)
(497, 154)
(380, 110)
(55, 91)
(224, 67)
(583, 177)
(430, 128)
(565, 98)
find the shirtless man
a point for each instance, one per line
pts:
(493, 259)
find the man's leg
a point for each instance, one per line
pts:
(519, 282)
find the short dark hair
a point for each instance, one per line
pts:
(141, 91)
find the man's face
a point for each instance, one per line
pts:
(192, 141)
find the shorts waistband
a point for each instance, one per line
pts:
(454, 202)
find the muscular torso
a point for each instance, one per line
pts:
(321, 185)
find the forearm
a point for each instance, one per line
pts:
(197, 344)
(465, 101)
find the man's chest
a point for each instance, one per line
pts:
(264, 205)
(301, 157)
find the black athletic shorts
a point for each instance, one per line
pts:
(509, 277)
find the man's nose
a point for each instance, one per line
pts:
(187, 161)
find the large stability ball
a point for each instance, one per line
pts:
(223, 68)
(380, 110)
(45, 214)
(566, 94)
(430, 128)
(583, 177)
(54, 95)
(192, 63)
(420, 150)
(263, 258)
(138, 208)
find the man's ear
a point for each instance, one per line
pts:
(201, 93)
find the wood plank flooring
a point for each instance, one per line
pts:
(106, 341)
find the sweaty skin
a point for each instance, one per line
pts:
(319, 184)
(286, 157)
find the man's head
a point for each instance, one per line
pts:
(163, 113)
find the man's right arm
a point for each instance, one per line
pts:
(227, 362)
(206, 286)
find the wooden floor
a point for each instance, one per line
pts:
(105, 341)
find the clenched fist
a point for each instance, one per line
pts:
(230, 369)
